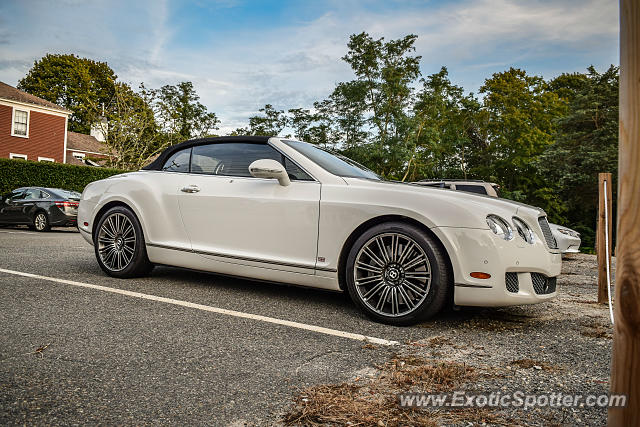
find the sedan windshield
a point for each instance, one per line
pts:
(332, 162)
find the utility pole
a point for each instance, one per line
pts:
(625, 366)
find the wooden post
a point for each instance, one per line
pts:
(603, 259)
(625, 363)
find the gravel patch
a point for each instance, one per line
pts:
(561, 346)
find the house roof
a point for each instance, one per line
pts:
(82, 142)
(10, 93)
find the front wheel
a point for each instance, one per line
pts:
(397, 274)
(119, 244)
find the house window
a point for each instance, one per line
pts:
(45, 159)
(17, 156)
(78, 155)
(20, 125)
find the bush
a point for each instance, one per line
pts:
(26, 173)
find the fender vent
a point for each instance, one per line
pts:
(511, 279)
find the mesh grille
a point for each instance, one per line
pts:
(543, 284)
(511, 279)
(546, 231)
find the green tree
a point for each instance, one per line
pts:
(180, 114)
(446, 128)
(270, 123)
(132, 134)
(522, 114)
(586, 142)
(81, 85)
(385, 72)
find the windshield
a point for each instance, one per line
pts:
(332, 162)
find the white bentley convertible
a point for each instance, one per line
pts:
(287, 211)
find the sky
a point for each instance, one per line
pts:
(241, 55)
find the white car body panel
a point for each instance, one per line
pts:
(256, 228)
(567, 243)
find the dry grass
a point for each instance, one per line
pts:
(376, 404)
(411, 372)
(439, 341)
(594, 328)
(347, 404)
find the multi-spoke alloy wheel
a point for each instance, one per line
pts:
(392, 274)
(397, 274)
(116, 241)
(119, 244)
(40, 222)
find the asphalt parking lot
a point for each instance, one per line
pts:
(114, 359)
(79, 347)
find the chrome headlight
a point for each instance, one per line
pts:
(523, 230)
(568, 232)
(500, 227)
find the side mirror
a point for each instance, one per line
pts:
(268, 168)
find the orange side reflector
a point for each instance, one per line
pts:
(86, 224)
(480, 275)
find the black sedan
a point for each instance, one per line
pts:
(40, 208)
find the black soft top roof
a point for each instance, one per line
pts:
(162, 158)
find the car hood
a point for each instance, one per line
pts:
(440, 204)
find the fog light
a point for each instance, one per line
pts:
(480, 275)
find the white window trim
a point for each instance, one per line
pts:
(78, 155)
(46, 159)
(17, 156)
(13, 121)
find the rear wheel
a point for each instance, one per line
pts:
(41, 222)
(119, 244)
(397, 274)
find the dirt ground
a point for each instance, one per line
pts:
(562, 346)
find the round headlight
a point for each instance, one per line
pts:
(523, 230)
(500, 227)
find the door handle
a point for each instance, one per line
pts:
(190, 189)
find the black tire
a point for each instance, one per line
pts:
(41, 221)
(435, 288)
(138, 264)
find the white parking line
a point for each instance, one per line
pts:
(211, 309)
(17, 232)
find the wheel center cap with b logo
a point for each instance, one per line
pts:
(393, 274)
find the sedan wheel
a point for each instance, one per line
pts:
(397, 274)
(41, 222)
(119, 244)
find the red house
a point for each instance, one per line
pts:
(31, 128)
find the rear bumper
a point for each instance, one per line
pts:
(60, 219)
(475, 250)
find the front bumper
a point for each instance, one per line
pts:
(476, 250)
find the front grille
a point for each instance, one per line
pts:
(511, 279)
(546, 231)
(542, 284)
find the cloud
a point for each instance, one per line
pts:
(240, 57)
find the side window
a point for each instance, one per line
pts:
(44, 195)
(295, 173)
(479, 189)
(179, 162)
(230, 159)
(16, 195)
(32, 194)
